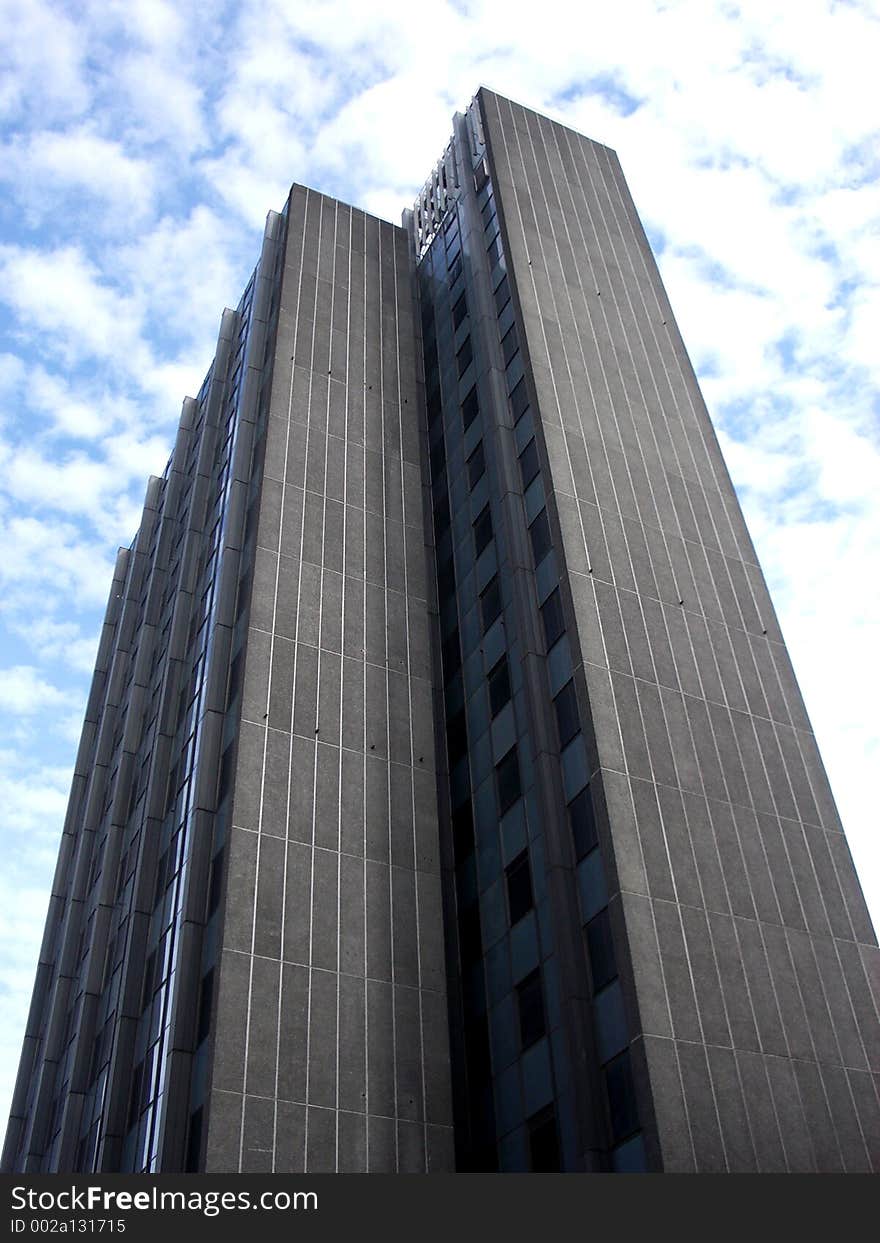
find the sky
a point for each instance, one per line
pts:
(141, 146)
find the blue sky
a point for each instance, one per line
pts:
(142, 145)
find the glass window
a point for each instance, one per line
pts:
(459, 311)
(464, 356)
(539, 533)
(530, 1004)
(543, 1142)
(482, 529)
(551, 613)
(499, 686)
(470, 408)
(451, 656)
(520, 899)
(455, 269)
(476, 464)
(528, 463)
(567, 717)
(463, 831)
(470, 940)
(446, 580)
(601, 950)
(502, 294)
(509, 344)
(494, 250)
(487, 211)
(519, 402)
(507, 773)
(490, 603)
(456, 737)
(206, 996)
(583, 823)
(621, 1097)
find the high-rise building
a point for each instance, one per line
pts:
(446, 799)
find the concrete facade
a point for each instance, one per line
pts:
(446, 798)
(746, 948)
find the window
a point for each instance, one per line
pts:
(455, 269)
(446, 580)
(583, 823)
(528, 463)
(206, 996)
(456, 737)
(543, 1142)
(551, 613)
(502, 294)
(464, 356)
(539, 533)
(481, 175)
(459, 311)
(567, 717)
(438, 458)
(519, 402)
(487, 211)
(470, 939)
(476, 465)
(441, 514)
(621, 1097)
(451, 656)
(463, 831)
(494, 250)
(530, 1003)
(482, 529)
(499, 686)
(215, 883)
(490, 603)
(520, 899)
(470, 408)
(507, 773)
(601, 950)
(509, 344)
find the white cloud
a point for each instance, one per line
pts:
(752, 153)
(25, 693)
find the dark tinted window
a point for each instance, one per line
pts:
(502, 295)
(464, 356)
(451, 655)
(470, 940)
(490, 603)
(528, 463)
(455, 269)
(567, 717)
(206, 996)
(494, 251)
(499, 686)
(621, 1097)
(530, 1003)
(519, 887)
(509, 344)
(476, 464)
(519, 401)
(583, 823)
(446, 580)
(456, 737)
(463, 831)
(601, 950)
(459, 311)
(470, 408)
(543, 1142)
(509, 788)
(554, 622)
(482, 530)
(539, 533)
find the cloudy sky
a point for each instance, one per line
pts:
(143, 143)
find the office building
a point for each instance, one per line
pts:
(446, 799)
